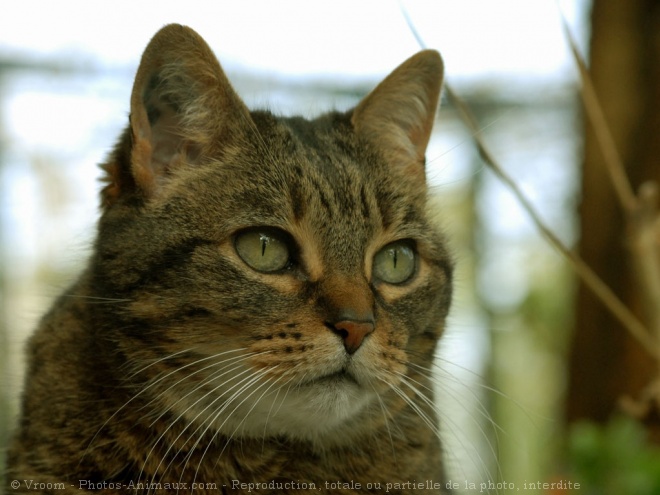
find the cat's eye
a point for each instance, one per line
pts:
(264, 250)
(395, 263)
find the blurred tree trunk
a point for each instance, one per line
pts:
(605, 362)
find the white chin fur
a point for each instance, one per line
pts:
(314, 412)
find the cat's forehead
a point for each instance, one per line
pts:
(314, 180)
(294, 169)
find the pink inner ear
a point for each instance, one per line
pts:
(397, 117)
(182, 106)
(158, 141)
(166, 141)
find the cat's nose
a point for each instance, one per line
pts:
(352, 332)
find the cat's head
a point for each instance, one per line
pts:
(276, 276)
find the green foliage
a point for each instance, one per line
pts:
(614, 459)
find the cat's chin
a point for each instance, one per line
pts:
(315, 411)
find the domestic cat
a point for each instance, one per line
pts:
(263, 301)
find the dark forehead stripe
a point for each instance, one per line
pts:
(321, 177)
(329, 186)
(323, 193)
(339, 195)
(364, 202)
(385, 200)
(344, 190)
(307, 188)
(296, 194)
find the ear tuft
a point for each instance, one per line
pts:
(397, 117)
(182, 108)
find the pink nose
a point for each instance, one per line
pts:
(353, 333)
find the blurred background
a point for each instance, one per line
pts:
(532, 368)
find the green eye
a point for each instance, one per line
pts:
(263, 250)
(395, 263)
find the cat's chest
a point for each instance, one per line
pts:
(242, 466)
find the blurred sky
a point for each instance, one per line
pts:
(56, 126)
(298, 37)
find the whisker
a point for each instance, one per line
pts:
(208, 380)
(97, 299)
(250, 380)
(479, 383)
(229, 362)
(406, 380)
(272, 405)
(387, 423)
(160, 360)
(231, 436)
(135, 396)
(423, 416)
(483, 412)
(191, 422)
(291, 383)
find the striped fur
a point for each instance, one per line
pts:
(172, 360)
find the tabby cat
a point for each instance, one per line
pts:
(262, 305)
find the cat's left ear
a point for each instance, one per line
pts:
(183, 108)
(397, 117)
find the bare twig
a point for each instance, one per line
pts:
(644, 246)
(594, 112)
(643, 233)
(588, 276)
(641, 211)
(632, 324)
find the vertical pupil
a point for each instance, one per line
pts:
(395, 258)
(264, 242)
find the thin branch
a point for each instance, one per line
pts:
(632, 324)
(641, 210)
(602, 132)
(588, 276)
(644, 246)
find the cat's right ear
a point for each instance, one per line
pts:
(397, 117)
(182, 109)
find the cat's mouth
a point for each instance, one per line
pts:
(340, 377)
